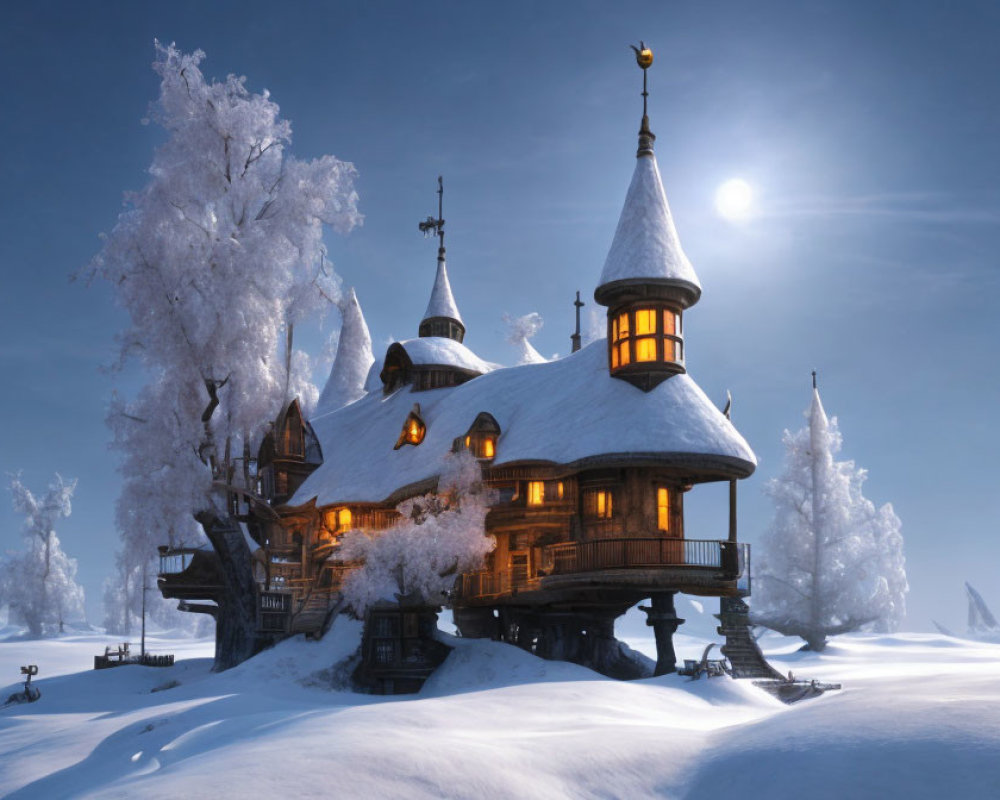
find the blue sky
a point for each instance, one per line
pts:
(868, 132)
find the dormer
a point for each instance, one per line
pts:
(431, 362)
(647, 282)
(481, 438)
(287, 455)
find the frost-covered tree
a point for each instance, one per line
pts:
(39, 583)
(438, 537)
(353, 360)
(519, 332)
(214, 261)
(830, 562)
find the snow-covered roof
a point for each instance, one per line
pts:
(441, 351)
(568, 411)
(442, 302)
(352, 362)
(646, 244)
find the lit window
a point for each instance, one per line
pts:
(669, 324)
(337, 519)
(645, 349)
(645, 322)
(663, 509)
(468, 440)
(489, 448)
(536, 493)
(559, 490)
(413, 429)
(623, 328)
(623, 353)
(598, 503)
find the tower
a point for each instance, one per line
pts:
(647, 282)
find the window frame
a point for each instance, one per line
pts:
(629, 329)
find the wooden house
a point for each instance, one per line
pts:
(591, 456)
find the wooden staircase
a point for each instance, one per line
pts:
(745, 657)
(311, 617)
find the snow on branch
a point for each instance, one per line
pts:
(439, 536)
(214, 259)
(519, 331)
(830, 562)
(39, 583)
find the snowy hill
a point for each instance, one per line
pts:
(919, 716)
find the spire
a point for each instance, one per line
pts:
(352, 362)
(441, 317)
(646, 248)
(818, 422)
(575, 336)
(644, 58)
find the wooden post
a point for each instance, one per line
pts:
(732, 511)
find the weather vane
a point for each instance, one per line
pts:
(432, 226)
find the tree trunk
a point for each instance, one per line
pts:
(236, 635)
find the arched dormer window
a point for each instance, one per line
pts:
(397, 369)
(414, 429)
(481, 438)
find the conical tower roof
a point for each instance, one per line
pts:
(442, 302)
(352, 362)
(646, 247)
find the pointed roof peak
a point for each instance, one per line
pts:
(442, 302)
(646, 245)
(353, 360)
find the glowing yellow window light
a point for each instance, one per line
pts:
(559, 490)
(614, 356)
(344, 519)
(413, 429)
(623, 328)
(536, 493)
(669, 323)
(468, 440)
(489, 448)
(614, 330)
(669, 350)
(623, 353)
(663, 509)
(603, 499)
(645, 322)
(645, 349)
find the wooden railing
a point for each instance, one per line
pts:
(569, 558)
(175, 560)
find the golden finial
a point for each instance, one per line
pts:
(643, 55)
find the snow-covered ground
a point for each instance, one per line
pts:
(919, 716)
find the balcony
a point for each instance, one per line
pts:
(622, 563)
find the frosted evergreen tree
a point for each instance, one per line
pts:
(353, 360)
(214, 261)
(830, 562)
(520, 330)
(39, 583)
(438, 537)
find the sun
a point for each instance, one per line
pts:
(734, 199)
